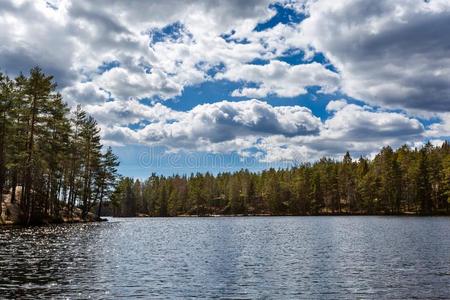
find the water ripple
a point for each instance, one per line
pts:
(259, 257)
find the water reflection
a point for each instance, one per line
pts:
(292, 257)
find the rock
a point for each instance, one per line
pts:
(11, 213)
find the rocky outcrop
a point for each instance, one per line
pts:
(11, 213)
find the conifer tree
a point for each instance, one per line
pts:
(54, 160)
(6, 103)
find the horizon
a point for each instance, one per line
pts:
(253, 85)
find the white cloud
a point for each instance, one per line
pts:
(361, 130)
(118, 136)
(440, 128)
(336, 105)
(71, 39)
(387, 53)
(123, 84)
(208, 125)
(281, 79)
(253, 128)
(356, 123)
(130, 112)
(86, 92)
(224, 121)
(26, 40)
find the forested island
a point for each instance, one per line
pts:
(405, 181)
(52, 167)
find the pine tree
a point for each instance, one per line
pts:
(106, 177)
(6, 103)
(91, 148)
(423, 184)
(234, 195)
(54, 160)
(347, 186)
(38, 90)
(394, 182)
(446, 178)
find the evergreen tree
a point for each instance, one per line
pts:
(6, 103)
(446, 178)
(423, 183)
(54, 161)
(394, 182)
(347, 185)
(106, 177)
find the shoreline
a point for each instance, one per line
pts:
(4, 223)
(290, 215)
(11, 215)
(48, 223)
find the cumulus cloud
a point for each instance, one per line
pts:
(158, 53)
(118, 135)
(281, 79)
(354, 128)
(85, 92)
(440, 128)
(130, 112)
(256, 128)
(336, 105)
(27, 41)
(390, 53)
(206, 124)
(71, 39)
(351, 122)
(124, 84)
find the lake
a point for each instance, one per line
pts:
(229, 257)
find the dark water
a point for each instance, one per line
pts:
(273, 257)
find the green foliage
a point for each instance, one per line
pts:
(394, 182)
(54, 158)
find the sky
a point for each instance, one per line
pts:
(195, 86)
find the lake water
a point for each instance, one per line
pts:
(245, 257)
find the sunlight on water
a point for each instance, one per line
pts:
(292, 257)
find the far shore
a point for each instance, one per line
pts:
(342, 214)
(76, 220)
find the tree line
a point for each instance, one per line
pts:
(52, 157)
(405, 181)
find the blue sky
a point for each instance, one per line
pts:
(213, 91)
(193, 86)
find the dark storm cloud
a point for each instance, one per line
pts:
(391, 53)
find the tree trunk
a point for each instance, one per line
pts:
(13, 186)
(87, 181)
(2, 159)
(28, 168)
(99, 210)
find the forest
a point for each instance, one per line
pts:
(52, 164)
(404, 181)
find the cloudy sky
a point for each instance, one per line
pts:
(186, 86)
